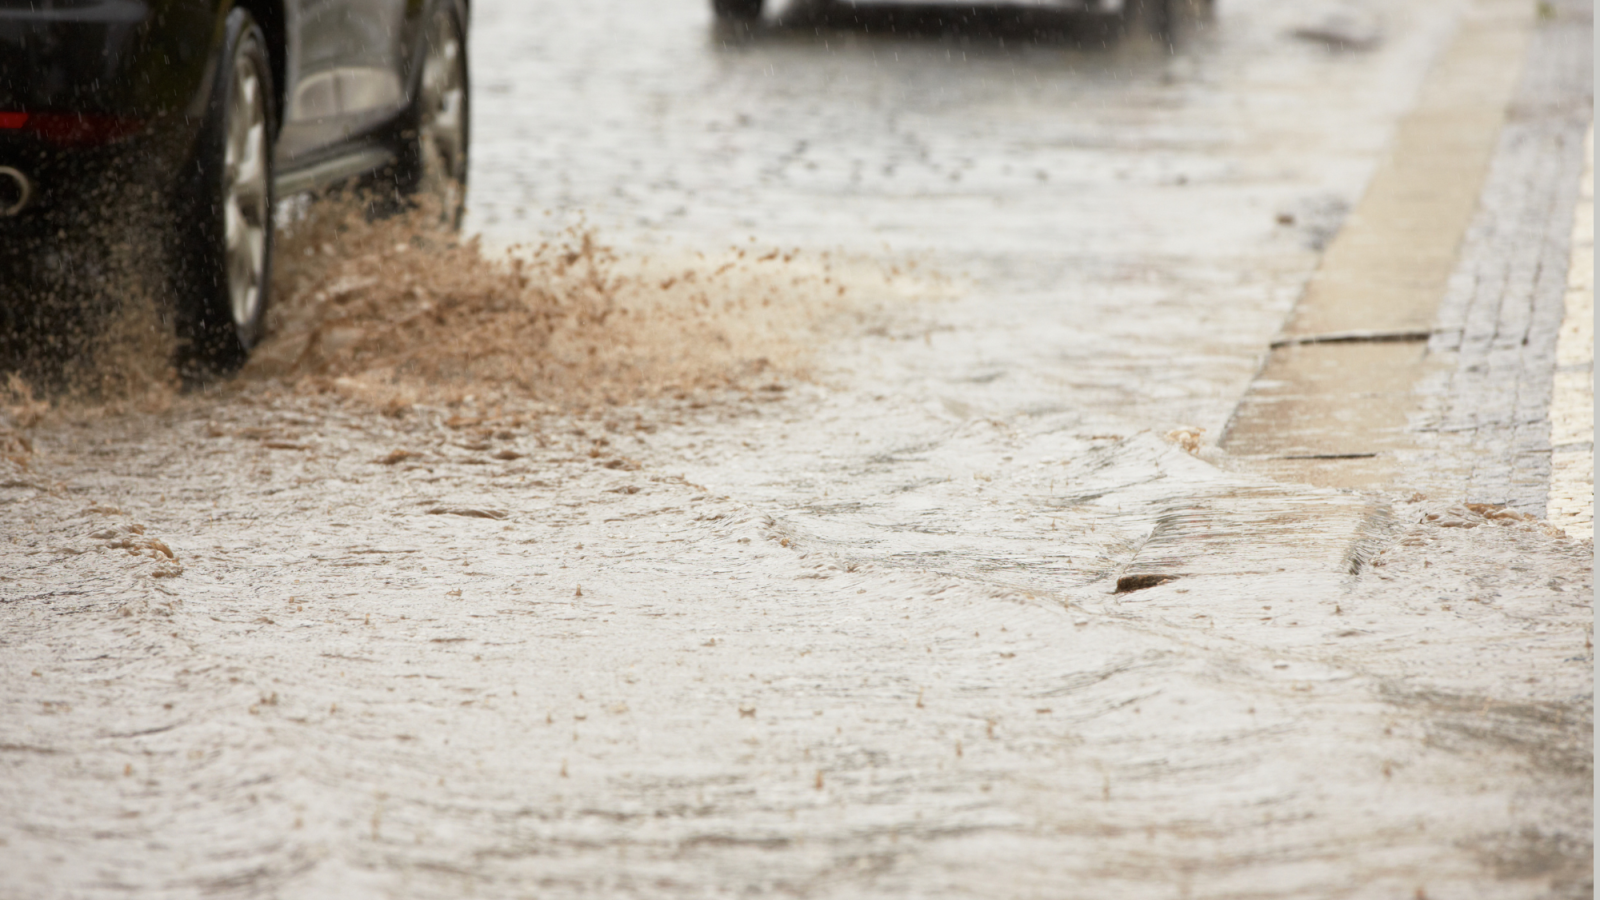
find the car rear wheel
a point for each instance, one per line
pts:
(736, 10)
(225, 222)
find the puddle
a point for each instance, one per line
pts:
(602, 567)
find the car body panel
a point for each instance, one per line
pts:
(137, 73)
(138, 58)
(349, 69)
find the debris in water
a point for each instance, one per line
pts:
(1341, 27)
(1130, 583)
(1187, 437)
(470, 512)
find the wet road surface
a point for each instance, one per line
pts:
(913, 587)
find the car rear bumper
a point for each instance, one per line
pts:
(45, 181)
(95, 94)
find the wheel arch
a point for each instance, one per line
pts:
(270, 15)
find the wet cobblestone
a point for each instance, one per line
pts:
(1502, 314)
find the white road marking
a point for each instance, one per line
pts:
(1572, 400)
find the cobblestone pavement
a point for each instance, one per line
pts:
(1501, 316)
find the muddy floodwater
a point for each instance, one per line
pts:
(805, 484)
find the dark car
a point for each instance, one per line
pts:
(750, 10)
(176, 126)
(1116, 15)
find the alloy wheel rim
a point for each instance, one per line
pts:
(245, 190)
(442, 123)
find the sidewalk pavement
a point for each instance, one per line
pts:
(1499, 323)
(1423, 355)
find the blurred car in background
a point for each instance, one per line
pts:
(175, 126)
(1120, 14)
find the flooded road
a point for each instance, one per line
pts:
(853, 523)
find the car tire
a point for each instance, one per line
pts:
(433, 157)
(740, 11)
(225, 210)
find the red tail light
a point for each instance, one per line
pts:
(73, 129)
(82, 129)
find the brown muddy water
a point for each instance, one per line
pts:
(886, 554)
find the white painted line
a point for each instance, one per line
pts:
(1572, 401)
